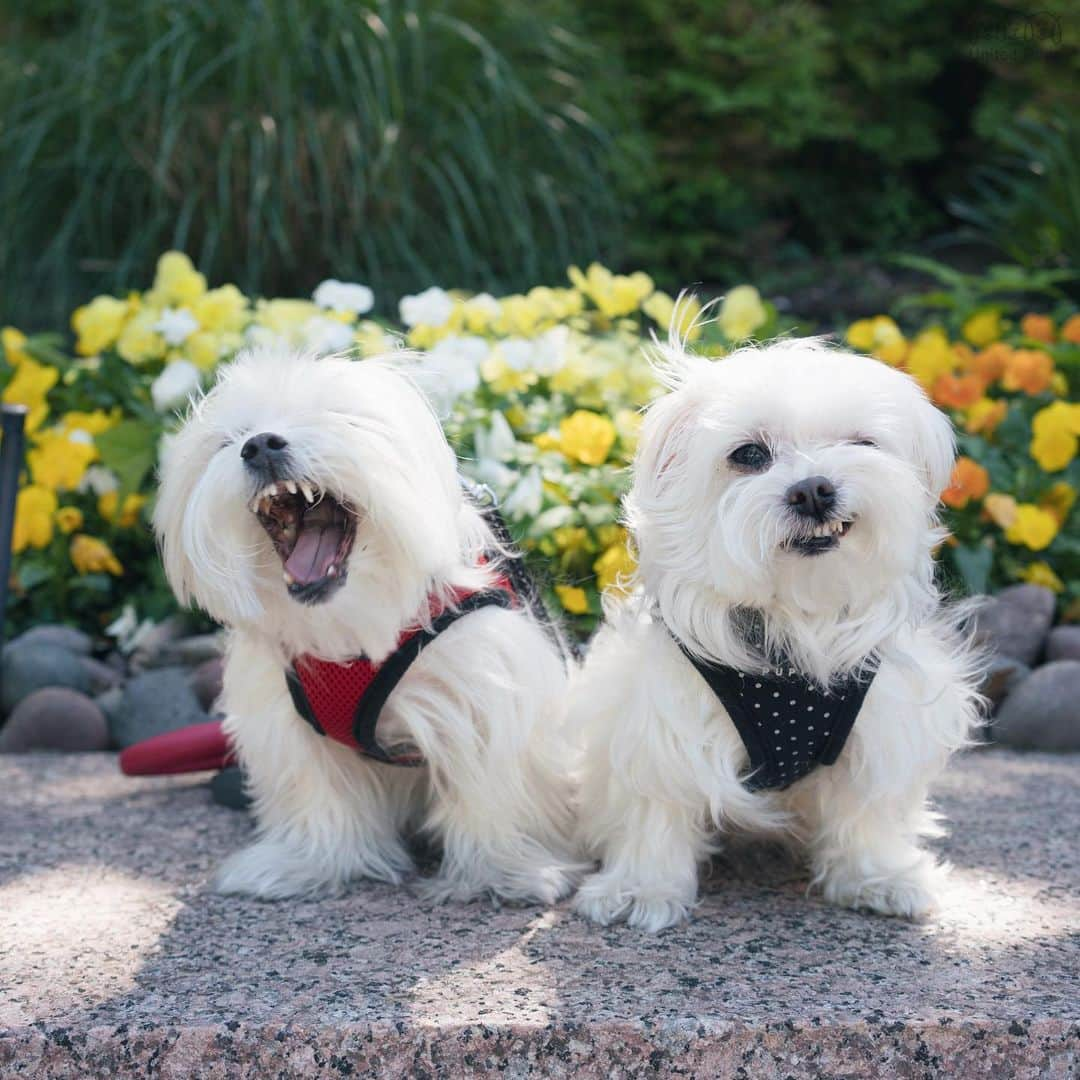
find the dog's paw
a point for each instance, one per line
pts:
(908, 894)
(537, 885)
(272, 871)
(604, 900)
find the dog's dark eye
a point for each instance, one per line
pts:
(863, 442)
(753, 455)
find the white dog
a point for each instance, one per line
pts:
(314, 507)
(784, 510)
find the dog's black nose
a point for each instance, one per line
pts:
(264, 449)
(813, 497)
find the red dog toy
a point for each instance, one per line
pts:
(198, 748)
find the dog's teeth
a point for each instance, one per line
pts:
(332, 572)
(309, 495)
(290, 487)
(289, 579)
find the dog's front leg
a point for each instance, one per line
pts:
(323, 815)
(648, 874)
(865, 851)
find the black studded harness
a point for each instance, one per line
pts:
(788, 723)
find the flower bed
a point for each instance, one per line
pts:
(540, 393)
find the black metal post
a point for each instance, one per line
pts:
(13, 424)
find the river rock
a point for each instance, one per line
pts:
(151, 703)
(155, 639)
(65, 637)
(227, 789)
(54, 719)
(1003, 675)
(1016, 621)
(1063, 643)
(102, 676)
(1043, 712)
(206, 681)
(190, 651)
(26, 667)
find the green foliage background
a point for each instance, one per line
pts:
(410, 142)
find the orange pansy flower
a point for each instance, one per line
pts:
(1030, 370)
(990, 363)
(1039, 327)
(957, 391)
(1070, 329)
(969, 481)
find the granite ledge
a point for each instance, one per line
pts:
(115, 959)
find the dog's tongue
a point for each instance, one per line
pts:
(316, 545)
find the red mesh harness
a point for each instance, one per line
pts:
(343, 700)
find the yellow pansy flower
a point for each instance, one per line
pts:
(285, 317)
(1001, 509)
(556, 304)
(92, 556)
(985, 414)
(680, 316)
(98, 324)
(879, 335)
(34, 509)
(139, 341)
(59, 462)
(68, 519)
(546, 440)
(14, 345)
(983, 327)
(614, 568)
(177, 283)
(1041, 573)
(573, 599)
(518, 316)
(93, 423)
(586, 437)
(129, 513)
(741, 313)
(613, 294)
(607, 535)
(222, 309)
(930, 357)
(570, 538)
(504, 379)
(1055, 430)
(1059, 500)
(203, 349)
(1034, 527)
(30, 386)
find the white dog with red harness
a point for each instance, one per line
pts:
(314, 508)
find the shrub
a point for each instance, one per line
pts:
(397, 143)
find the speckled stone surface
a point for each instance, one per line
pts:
(115, 960)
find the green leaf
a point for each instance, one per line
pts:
(34, 572)
(129, 449)
(973, 564)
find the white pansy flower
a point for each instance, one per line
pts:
(176, 325)
(496, 442)
(326, 335)
(175, 385)
(344, 296)
(517, 352)
(452, 368)
(527, 496)
(432, 307)
(550, 349)
(99, 480)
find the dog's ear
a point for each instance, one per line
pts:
(934, 444)
(666, 434)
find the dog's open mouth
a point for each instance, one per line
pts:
(825, 537)
(312, 533)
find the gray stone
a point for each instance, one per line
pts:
(54, 719)
(166, 631)
(152, 703)
(227, 788)
(189, 651)
(1063, 643)
(102, 676)
(1016, 621)
(1003, 675)
(26, 667)
(206, 681)
(65, 637)
(1043, 712)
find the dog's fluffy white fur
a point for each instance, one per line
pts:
(484, 703)
(663, 760)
